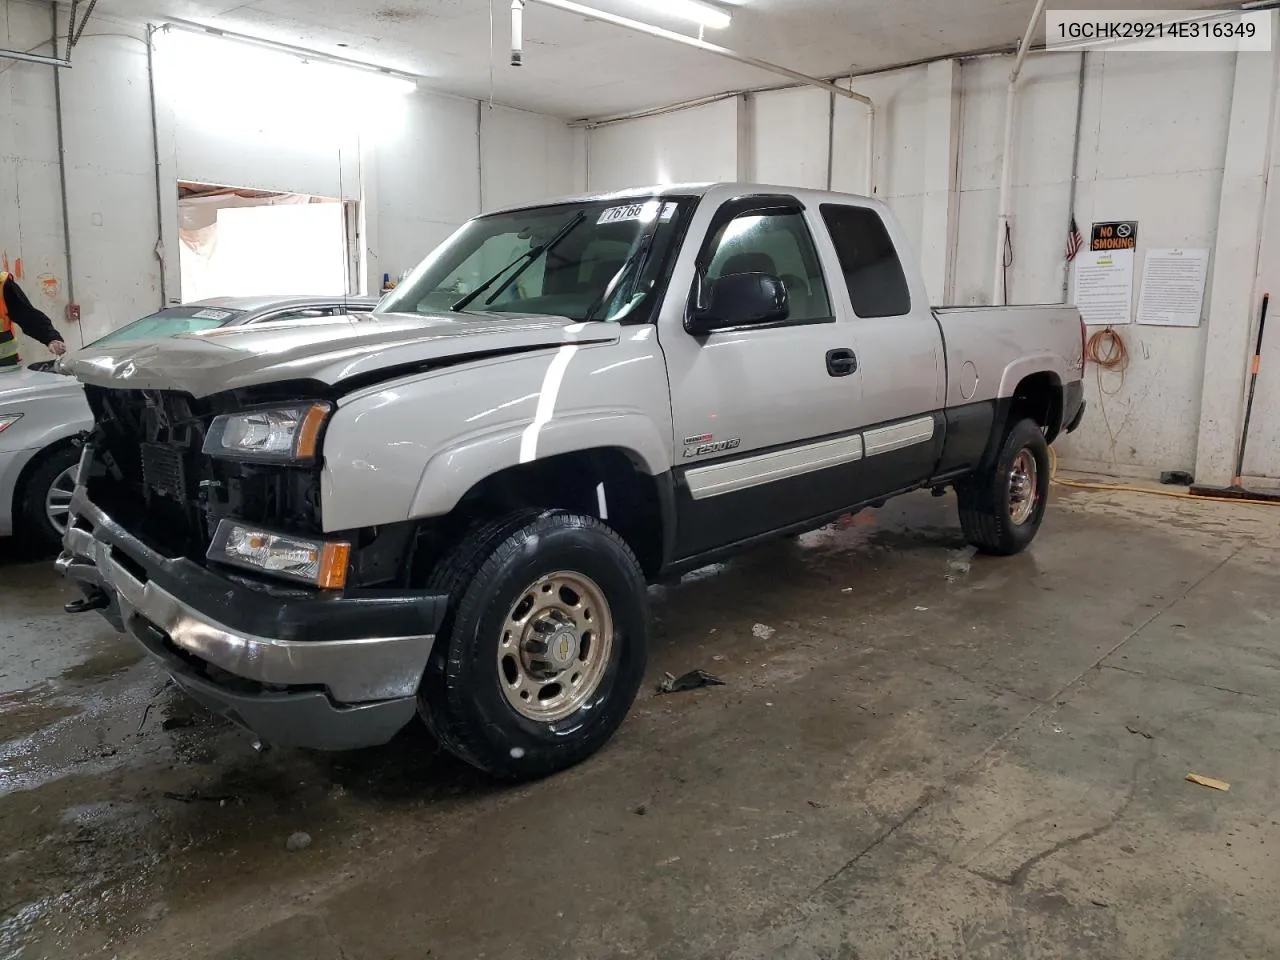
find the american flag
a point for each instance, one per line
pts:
(1074, 241)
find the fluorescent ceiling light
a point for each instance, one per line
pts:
(336, 78)
(700, 13)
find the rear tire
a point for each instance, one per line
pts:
(1001, 509)
(48, 488)
(543, 647)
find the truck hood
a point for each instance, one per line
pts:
(21, 387)
(330, 351)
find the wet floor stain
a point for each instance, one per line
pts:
(128, 816)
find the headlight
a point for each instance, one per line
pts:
(274, 434)
(321, 563)
(8, 420)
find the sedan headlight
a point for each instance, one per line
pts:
(321, 563)
(8, 420)
(273, 434)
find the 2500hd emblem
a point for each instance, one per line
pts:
(701, 446)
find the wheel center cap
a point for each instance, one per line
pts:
(562, 648)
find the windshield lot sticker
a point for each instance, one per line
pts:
(632, 211)
(210, 315)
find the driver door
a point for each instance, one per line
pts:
(765, 415)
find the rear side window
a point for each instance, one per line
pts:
(872, 270)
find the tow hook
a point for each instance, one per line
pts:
(97, 600)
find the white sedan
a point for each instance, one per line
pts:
(43, 412)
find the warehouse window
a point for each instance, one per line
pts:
(872, 270)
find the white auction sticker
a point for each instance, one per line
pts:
(1158, 30)
(207, 314)
(632, 211)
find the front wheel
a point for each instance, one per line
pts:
(1001, 509)
(544, 644)
(44, 505)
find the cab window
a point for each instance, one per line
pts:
(777, 244)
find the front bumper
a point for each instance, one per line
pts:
(330, 671)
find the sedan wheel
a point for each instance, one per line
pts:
(57, 501)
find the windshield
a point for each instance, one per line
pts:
(600, 260)
(170, 323)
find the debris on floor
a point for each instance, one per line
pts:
(688, 681)
(196, 796)
(1177, 477)
(921, 609)
(1138, 732)
(762, 631)
(298, 841)
(1209, 782)
(960, 563)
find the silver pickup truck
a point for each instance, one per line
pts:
(451, 509)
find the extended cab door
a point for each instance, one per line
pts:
(765, 415)
(899, 343)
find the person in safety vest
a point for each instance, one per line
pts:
(16, 309)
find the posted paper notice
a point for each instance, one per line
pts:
(1173, 287)
(1104, 286)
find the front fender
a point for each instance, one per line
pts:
(451, 473)
(412, 448)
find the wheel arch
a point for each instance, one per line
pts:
(41, 457)
(611, 483)
(1036, 396)
(29, 469)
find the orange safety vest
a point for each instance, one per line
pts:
(8, 341)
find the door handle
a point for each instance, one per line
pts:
(841, 362)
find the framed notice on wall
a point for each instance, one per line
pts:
(1104, 274)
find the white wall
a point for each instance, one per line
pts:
(683, 147)
(1153, 138)
(110, 175)
(239, 116)
(1262, 454)
(1154, 141)
(422, 163)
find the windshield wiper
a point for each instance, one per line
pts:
(630, 270)
(528, 257)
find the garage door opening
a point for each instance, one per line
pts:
(238, 242)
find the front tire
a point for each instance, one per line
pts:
(543, 647)
(44, 503)
(1001, 509)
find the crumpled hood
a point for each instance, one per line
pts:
(21, 387)
(330, 351)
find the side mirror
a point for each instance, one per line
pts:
(741, 299)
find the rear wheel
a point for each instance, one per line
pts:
(1002, 508)
(543, 647)
(44, 503)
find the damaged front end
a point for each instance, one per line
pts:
(196, 527)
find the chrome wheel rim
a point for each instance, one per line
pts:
(555, 646)
(1023, 495)
(57, 500)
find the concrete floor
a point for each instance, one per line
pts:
(932, 755)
